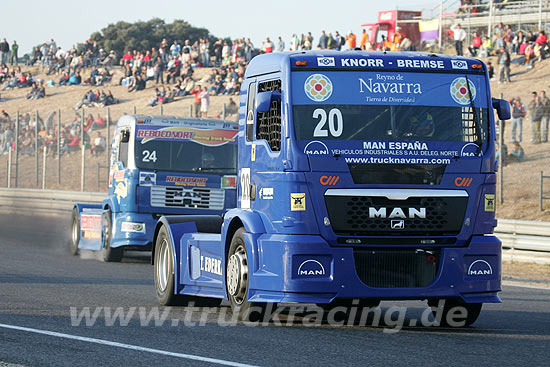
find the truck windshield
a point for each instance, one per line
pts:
(390, 106)
(186, 156)
(387, 123)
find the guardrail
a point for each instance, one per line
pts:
(522, 240)
(33, 201)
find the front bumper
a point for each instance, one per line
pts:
(305, 269)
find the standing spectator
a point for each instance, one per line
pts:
(310, 40)
(536, 109)
(205, 101)
(364, 39)
(197, 101)
(175, 48)
(545, 117)
(504, 66)
(267, 46)
(294, 43)
(331, 42)
(159, 68)
(4, 51)
(352, 40)
(323, 41)
(280, 44)
(14, 50)
(459, 35)
(518, 113)
(340, 40)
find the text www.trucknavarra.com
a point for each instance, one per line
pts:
(391, 319)
(392, 160)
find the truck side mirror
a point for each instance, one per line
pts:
(503, 108)
(125, 136)
(263, 100)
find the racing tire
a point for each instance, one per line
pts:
(237, 281)
(109, 254)
(164, 276)
(472, 312)
(75, 233)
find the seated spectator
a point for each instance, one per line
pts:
(232, 108)
(108, 100)
(73, 143)
(98, 145)
(136, 84)
(11, 83)
(87, 100)
(486, 47)
(93, 79)
(4, 72)
(516, 153)
(476, 45)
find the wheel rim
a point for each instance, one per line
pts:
(75, 232)
(237, 275)
(163, 266)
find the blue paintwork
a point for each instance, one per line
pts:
(279, 239)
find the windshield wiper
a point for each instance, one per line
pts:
(476, 121)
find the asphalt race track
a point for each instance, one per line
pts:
(41, 284)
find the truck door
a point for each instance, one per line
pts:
(119, 181)
(260, 154)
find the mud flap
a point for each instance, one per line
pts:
(90, 227)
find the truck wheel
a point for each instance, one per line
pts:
(237, 275)
(164, 276)
(75, 233)
(164, 270)
(109, 254)
(472, 311)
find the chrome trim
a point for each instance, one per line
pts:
(397, 194)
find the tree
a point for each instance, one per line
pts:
(123, 36)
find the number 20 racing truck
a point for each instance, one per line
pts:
(159, 166)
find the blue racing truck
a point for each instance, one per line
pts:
(362, 175)
(159, 166)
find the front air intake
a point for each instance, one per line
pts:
(396, 268)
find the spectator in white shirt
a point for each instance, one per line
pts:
(459, 36)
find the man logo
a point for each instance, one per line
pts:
(470, 150)
(397, 224)
(480, 268)
(459, 64)
(325, 61)
(311, 268)
(316, 147)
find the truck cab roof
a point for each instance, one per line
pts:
(191, 122)
(347, 60)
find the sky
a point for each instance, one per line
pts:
(68, 22)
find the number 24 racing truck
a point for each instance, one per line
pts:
(159, 166)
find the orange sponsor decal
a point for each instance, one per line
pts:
(463, 181)
(329, 180)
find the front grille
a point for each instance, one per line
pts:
(366, 216)
(398, 268)
(195, 198)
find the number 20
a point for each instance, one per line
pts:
(335, 123)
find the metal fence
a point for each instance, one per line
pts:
(39, 154)
(529, 15)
